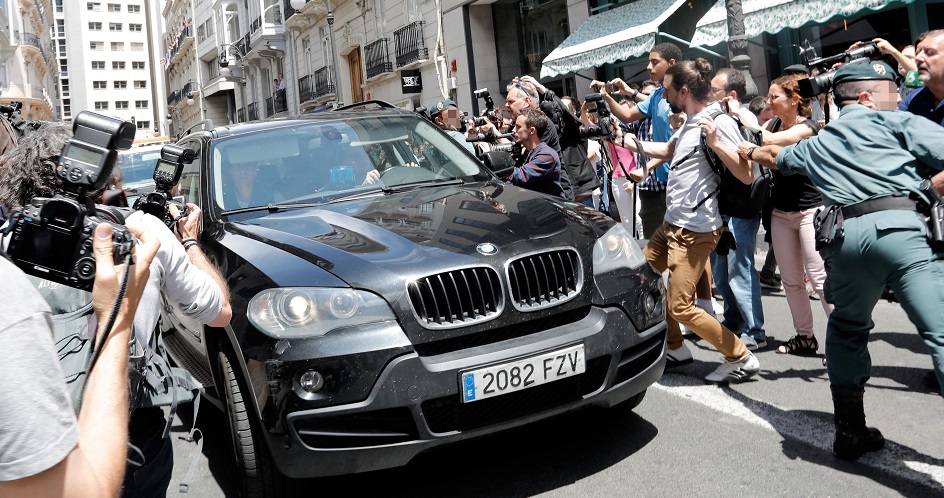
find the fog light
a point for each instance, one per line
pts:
(651, 300)
(311, 381)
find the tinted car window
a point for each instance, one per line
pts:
(320, 161)
(137, 165)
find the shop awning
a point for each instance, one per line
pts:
(771, 16)
(615, 35)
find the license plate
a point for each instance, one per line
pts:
(521, 374)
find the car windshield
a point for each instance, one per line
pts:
(137, 165)
(322, 161)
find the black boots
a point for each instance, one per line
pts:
(853, 438)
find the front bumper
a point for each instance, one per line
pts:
(415, 403)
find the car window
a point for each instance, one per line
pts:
(190, 177)
(323, 160)
(137, 165)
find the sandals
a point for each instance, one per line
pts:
(799, 344)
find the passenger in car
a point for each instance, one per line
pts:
(251, 184)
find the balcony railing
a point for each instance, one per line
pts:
(31, 40)
(189, 87)
(252, 111)
(241, 115)
(287, 8)
(378, 58)
(410, 44)
(323, 83)
(256, 24)
(305, 92)
(173, 98)
(273, 14)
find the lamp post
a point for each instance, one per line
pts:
(225, 72)
(334, 58)
(737, 45)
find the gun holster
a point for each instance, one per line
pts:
(828, 225)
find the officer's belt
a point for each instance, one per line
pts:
(886, 203)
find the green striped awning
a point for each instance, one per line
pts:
(771, 16)
(615, 35)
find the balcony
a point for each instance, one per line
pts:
(173, 98)
(410, 44)
(184, 40)
(29, 40)
(252, 111)
(377, 58)
(322, 82)
(305, 92)
(241, 115)
(276, 103)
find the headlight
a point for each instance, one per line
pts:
(616, 249)
(287, 313)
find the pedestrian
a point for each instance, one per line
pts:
(795, 202)
(692, 223)
(868, 165)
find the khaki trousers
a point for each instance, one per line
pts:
(685, 253)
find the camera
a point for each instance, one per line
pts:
(596, 103)
(51, 238)
(11, 113)
(489, 137)
(823, 82)
(491, 113)
(166, 174)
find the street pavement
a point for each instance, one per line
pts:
(766, 437)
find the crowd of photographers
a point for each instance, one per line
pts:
(643, 152)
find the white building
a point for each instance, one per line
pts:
(109, 66)
(28, 66)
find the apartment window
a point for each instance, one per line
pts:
(137, 47)
(114, 26)
(137, 65)
(117, 46)
(114, 7)
(144, 125)
(98, 64)
(99, 85)
(121, 104)
(120, 85)
(117, 65)
(140, 84)
(93, 6)
(96, 45)
(134, 9)
(134, 27)
(140, 104)
(95, 26)
(101, 106)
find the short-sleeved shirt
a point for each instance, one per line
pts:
(866, 154)
(657, 109)
(540, 172)
(794, 193)
(38, 428)
(691, 198)
(921, 103)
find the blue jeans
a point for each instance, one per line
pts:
(738, 282)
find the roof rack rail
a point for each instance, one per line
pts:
(206, 124)
(381, 103)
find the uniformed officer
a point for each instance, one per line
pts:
(868, 166)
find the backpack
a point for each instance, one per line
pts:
(735, 198)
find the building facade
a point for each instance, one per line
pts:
(28, 65)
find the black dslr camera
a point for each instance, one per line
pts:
(52, 237)
(823, 82)
(491, 113)
(597, 104)
(166, 174)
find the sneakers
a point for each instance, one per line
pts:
(678, 357)
(772, 282)
(734, 372)
(752, 344)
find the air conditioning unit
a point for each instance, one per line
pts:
(452, 83)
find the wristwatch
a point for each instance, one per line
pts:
(750, 153)
(635, 93)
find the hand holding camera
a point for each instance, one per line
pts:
(167, 173)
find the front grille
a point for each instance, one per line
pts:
(456, 298)
(639, 357)
(449, 414)
(539, 281)
(493, 335)
(358, 430)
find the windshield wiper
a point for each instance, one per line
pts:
(275, 208)
(431, 183)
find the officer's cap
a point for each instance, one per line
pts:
(864, 71)
(440, 106)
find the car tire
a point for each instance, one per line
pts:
(256, 478)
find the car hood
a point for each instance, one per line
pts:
(424, 230)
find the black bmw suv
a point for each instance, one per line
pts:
(390, 295)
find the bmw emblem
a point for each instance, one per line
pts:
(487, 249)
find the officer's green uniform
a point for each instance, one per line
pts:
(867, 154)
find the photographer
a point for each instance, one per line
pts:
(540, 169)
(581, 175)
(692, 224)
(46, 450)
(179, 270)
(869, 167)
